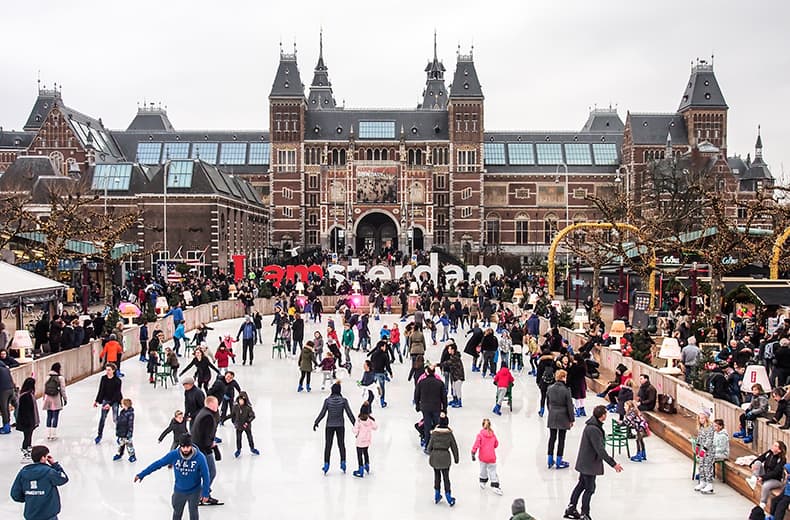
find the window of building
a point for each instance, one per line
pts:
(415, 157)
(312, 155)
(259, 153)
(742, 213)
(492, 231)
(337, 157)
(112, 177)
(179, 174)
(494, 153)
(149, 153)
(522, 231)
(578, 153)
(466, 193)
(522, 193)
(286, 160)
(439, 156)
(288, 193)
(288, 212)
(233, 153)
(466, 212)
(312, 200)
(175, 151)
(467, 160)
(549, 153)
(377, 129)
(440, 237)
(520, 153)
(206, 152)
(605, 154)
(549, 228)
(312, 237)
(313, 219)
(580, 193)
(441, 182)
(441, 219)
(312, 182)
(440, 199)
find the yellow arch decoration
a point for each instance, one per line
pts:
(600, 225)
(777, 251)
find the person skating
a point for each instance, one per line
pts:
(306, 364)
(334, 407)
(55, 399)
(544, 377)
(193, 398)
(192, 478)
(440, 447)
(242, 416)
(589, 464)
(248, 333)
(363, 431)
(519, 510)
(112, 353)
(27, 417)
(224, 389)
(203, 367)
(430, 398)
(36, 485)
(204, 435)
(124, 430)
(503, 379)
(560, 420)
(486, 444)
(455, 367)
(638, 424)
(177, 426)
(382, 371)
(109, 397)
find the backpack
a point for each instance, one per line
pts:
(548, 375)
(52, 386)
(712, 380)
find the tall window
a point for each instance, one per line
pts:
(492, 231)
(467, 160)
(549, 229)
(312, 182)
(440, 237)
(522, 231)
(439, 156)
(441, 182)
(312, 155)
(312, 237)
(286, 160)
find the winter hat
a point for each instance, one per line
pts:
(188, 380)
(757, 513)
(185, 440)
(336, 389)
(444, 422)
(518, 506)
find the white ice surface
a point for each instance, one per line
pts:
(286, 481)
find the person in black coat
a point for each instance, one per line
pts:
(561, 417)
(224, 389)
(647, 394)
(380, 365)
(334, 407)
(488, 347)
(625, 394)
(109, 397)
(193, 398)
(297, 332)
(782, 408)
(430, 398)
(472, 345)
(204, 433)
(589, 463)
(203, 368)
(27, 415)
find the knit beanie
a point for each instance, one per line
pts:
(518, 506)
(757, 513)
(444, 422)
(336, 389)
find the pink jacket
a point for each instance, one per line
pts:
(363, 430)
(487, 443)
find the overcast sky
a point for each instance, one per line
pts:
(541, 64)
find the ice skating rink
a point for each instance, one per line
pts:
(286, 482)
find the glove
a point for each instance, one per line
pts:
(315, 427)
(473, 457)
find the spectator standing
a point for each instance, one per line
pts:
(36, 485)
(689, 357)
(54, 399)
(248, 332)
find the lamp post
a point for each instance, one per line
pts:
(578, 261)
(164, 205)
(693, 306)
(567, 208)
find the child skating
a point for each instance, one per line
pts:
(327, 369)
(486, 443)
(124, 429)
(503, 379)
(440, 447)
(242, 416)
(363, 431)
(177, 426)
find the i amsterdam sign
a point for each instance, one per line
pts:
(453, 273)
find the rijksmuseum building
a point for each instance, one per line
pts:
(334, 177)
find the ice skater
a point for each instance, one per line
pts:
(242, 416)
(440, 446)
(124, 430)
(486, 444)
(363, 431)
(334, 407)
(177, 426)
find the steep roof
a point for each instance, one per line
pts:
(321, 95)
(287, 82)
(151, 118)
(702, 90)
(465, 82)
(434, 97)
(21, 175)
(44, 102)
(416, 125)
(15, 140)
(651, 129)
(603, 120)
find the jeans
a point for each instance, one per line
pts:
(179, 500)
(5, 399)
(247, 431)
(247, 346)
(381, 379)
(212, 467)
(305, 375)
(52, 418)
(488, 362)
(430, 420)
(438, 475)
(779, 507)
(103, 417)
(340, 432)
(585, 485)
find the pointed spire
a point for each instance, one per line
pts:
(321, 45)
(758, 147)
(668, 152)
(321, 95)
(434, 45)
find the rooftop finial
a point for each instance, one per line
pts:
(434, 44)
(321, 44)
(758, 147)
(281, 47)
(294, 46)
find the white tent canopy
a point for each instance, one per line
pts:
(20, 287)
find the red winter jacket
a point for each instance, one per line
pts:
(503, 378)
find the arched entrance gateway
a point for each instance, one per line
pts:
(376, 232)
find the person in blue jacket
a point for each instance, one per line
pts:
(191, 477)
(37, 486)
(176, 313)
